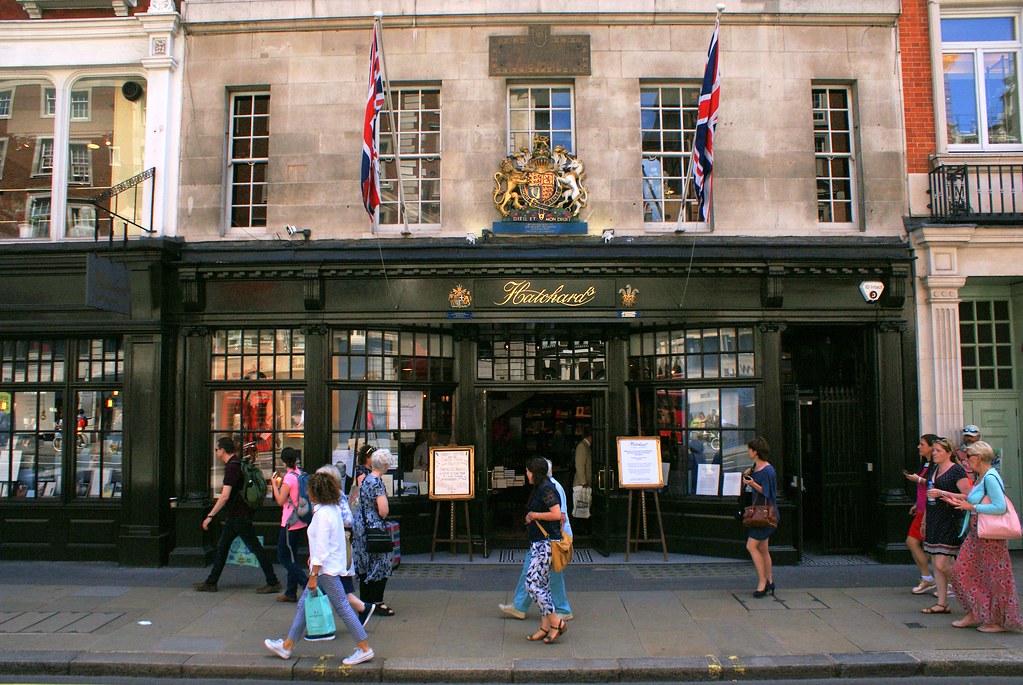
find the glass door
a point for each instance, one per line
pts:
(605, 477)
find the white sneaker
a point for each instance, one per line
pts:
(277, 647)
(358, 656)
(512, 611)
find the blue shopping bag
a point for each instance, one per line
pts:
(319, 618)
(240, 555)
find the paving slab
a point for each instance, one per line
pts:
(566, 670)
(266, 666)
(329, 668)
(30, 662)
(877, 665)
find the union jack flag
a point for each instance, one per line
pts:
(706, 122)
(370, 155)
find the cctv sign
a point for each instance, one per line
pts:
(871, 290)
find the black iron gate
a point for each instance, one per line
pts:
(843, 457)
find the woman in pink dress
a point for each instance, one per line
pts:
(982, 577)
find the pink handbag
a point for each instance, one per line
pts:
(1004, 526)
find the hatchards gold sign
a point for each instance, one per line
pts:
(524, 293)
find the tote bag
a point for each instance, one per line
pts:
(999, 526)
(319, 618)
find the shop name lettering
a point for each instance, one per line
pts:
(522, 293)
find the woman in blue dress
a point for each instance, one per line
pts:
(761, 480)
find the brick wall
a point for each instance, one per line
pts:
(914, 45)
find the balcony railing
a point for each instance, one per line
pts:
(977, 193)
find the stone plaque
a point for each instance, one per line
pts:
(540, 54)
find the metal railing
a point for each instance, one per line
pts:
(977, 193)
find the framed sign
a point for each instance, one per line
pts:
(451, 473)
(639, 463)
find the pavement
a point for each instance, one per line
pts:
(691, 618)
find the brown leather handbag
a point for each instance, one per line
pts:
(760, 515)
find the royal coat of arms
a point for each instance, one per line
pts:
(540, 185)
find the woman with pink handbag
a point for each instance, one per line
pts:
(982, 577)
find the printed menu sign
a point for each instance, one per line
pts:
(451, 470)
(639, 463)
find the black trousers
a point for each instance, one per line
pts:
(240, 527)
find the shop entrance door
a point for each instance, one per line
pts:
(520, 424)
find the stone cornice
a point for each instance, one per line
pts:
(225, 18)
(944, 288)
(70, 29)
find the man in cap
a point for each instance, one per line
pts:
(971, 434)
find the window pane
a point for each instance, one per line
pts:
(961, 111)
(26, 159)
(979, 29)
(1001, 87)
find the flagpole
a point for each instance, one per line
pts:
(378, 27)
(692, 153)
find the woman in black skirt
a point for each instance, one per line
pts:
(763, 483)
(943, 522)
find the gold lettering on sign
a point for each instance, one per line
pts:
(523, 293)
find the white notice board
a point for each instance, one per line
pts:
(639, 463)
(451, 470)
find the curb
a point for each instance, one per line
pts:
(934, 663)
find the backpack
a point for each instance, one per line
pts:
(303, 510)
(253, 487)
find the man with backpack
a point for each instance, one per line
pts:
(240, 485)
(290, 492)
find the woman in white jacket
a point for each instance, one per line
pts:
(328, 559)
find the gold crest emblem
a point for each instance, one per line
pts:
(628, 294)
(542, 184)
(460, 297)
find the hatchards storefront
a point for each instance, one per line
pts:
(522, 346)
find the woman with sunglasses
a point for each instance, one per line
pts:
(942, 522)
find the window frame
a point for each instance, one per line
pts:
(686, 137)
(9, 105)
(977, 50)
(384, 141)
(851, 156)
(3, 154)
(40, 154)
(48, 104)
(531, 111)
(80, 146)
(235, 162)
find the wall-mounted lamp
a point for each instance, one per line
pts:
(293, 231)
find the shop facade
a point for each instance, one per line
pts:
(519, 349)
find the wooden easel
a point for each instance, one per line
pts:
(453, 538)
(634, 539)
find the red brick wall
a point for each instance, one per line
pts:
(914, 44)
(10, 9)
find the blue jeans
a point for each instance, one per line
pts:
(288, 543)
(240, 527)
(523, 600)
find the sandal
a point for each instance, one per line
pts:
(555, 633)
(933, 610)
(537, 636)
(384, 610)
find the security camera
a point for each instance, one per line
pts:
(608, 235)
(470, 238)
(871, 290)
(294, 230)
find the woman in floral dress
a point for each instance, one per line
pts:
(373, 569)
(982, 578)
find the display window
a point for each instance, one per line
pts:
(42, 436)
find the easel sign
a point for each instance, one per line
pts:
(639, 468)
(639, 463)
(451, 480)
(451, 473)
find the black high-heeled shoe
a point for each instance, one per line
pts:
(762, 593)
(770, 588)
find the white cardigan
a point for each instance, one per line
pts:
(327, 548)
